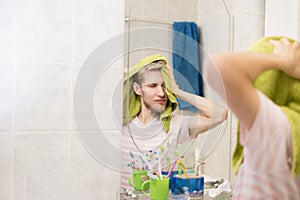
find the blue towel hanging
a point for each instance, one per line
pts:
(187, 61)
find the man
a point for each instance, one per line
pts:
(267, 170)
(150, 125)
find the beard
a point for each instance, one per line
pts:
(155, 108)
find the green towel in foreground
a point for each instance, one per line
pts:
(285, 92)
(132, 102)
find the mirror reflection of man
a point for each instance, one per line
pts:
(150, 120)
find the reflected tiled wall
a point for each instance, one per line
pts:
(162, 13)
(43, 47)
(222, 33)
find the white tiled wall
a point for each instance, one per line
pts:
(222, 33)
(283, 19)
(43, 47)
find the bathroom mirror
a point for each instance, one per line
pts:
(147, 33)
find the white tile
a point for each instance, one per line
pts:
(34, 151)
(87, 148)
(44, 184)
(93, 182)
(156, 9)
(50, 184)
(44, 30)
(93, 177)
(215, 26)
(218, 163)
(7, 33)
(40, 159)
(92, 27)
(134, 8)
(42, 96)
(248, 29)
(51, 166)
(137, 38)
(84, 41)
(104, 104)
(178, 10)
(108, 98)
(193, 10)
(6, 95)
(6, 169)
(211, 10)
(254, 7)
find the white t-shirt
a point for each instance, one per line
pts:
(266, 169)
(140, 139)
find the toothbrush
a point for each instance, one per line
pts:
(159, 166)
(134, 161)
(143, 161)
(172, 167)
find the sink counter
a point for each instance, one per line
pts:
(141, 196)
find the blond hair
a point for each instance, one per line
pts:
(154, 66)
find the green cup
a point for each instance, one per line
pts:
(137, 179)
(159, 188)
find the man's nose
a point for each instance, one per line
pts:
(161, 91)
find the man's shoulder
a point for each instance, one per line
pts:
(179, 118)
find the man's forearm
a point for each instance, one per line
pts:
(246, 66)
(206, 106)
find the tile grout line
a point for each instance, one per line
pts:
(25, 187)
(14, 103)
(71, 86)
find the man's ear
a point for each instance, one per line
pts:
(136, 88)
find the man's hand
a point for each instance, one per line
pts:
(289, 53)
(173, 84)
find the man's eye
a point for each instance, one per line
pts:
(153, 85)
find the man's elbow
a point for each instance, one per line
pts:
(214, 71)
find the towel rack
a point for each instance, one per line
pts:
(148, 21)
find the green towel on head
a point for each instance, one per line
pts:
(132, 101)
(285, 92)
